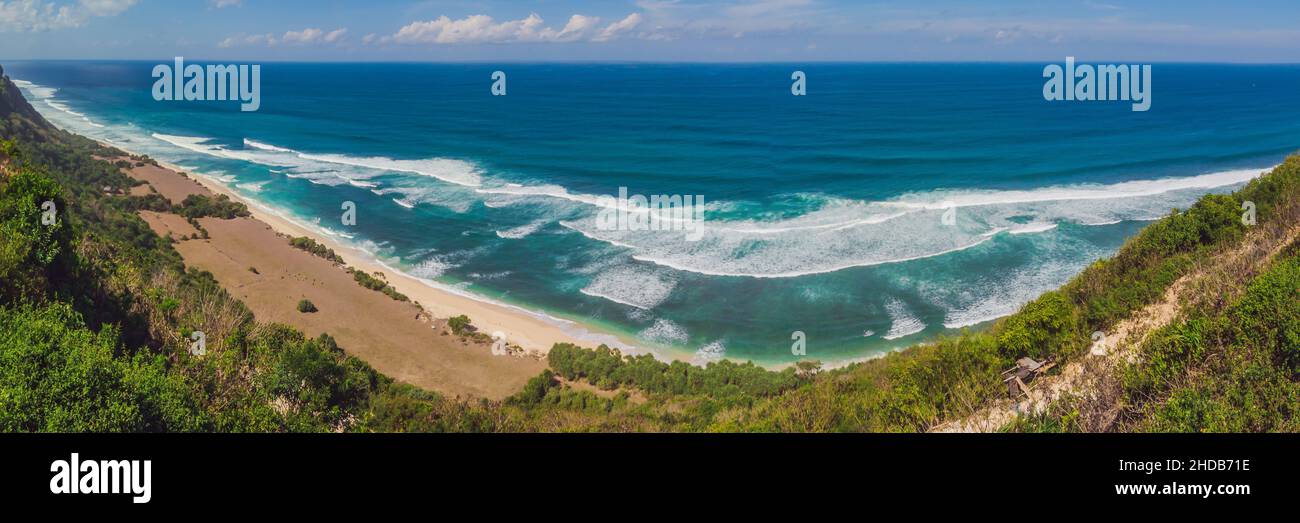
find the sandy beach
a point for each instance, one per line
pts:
(252, 258)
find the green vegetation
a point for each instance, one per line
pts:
(1233, 371)
(200, 206)
(463, 327)
(305, 306)
(312, 246)
(607, 369)
(33, 254)
(376, 284)
(459, 325)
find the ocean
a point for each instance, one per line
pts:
(891, 204)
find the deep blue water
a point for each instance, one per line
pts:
(824, 212)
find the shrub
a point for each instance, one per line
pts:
(201, 206)
(1043, 327)
(459, 324)
(376, 284)
(312, 246)
(306, 306)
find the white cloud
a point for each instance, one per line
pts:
(38, 15)
(577, 27)
(309, 36)
(313, 36)
(483, 29)
(220, 4)
(672, 19)
(107, 7)
(613, 30)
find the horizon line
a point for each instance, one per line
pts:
(647, 62)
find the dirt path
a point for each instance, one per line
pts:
(1093, 376)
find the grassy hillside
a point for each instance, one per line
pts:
(98, 313)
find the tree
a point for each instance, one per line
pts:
(35, 238)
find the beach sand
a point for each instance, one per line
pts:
(392, 336)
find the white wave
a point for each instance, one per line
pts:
(431, 268)
(591, 236)
(292, 165)
(266, 147)
(522, 230)
(797, 273)
(1032, 228)
(552, 191)
(1131, 189)
(331, 232)
(710, 353)
(975, 298)
(845, 234)
(448, 170)
(64, 107)
(329, 169)
(451, 171)
(412, 195)
(902, 322)
(665, 332)
(46, 94)
(203, 146)
(36, 90)
(252, 187)
(217, 176)
(643, 287)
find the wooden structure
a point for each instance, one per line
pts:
(1024, 372)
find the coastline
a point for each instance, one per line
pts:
(534, 331)
(531, 330)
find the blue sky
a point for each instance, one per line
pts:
(651, 30)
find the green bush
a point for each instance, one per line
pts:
(32, 253)
(1268, 317)
(312, 246)
(57, 375)
(201, 206)
(376, 284)
(459, 325)
(1044, 327)
(306, 306)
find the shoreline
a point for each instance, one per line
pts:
(533, 331)
(522, 326)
